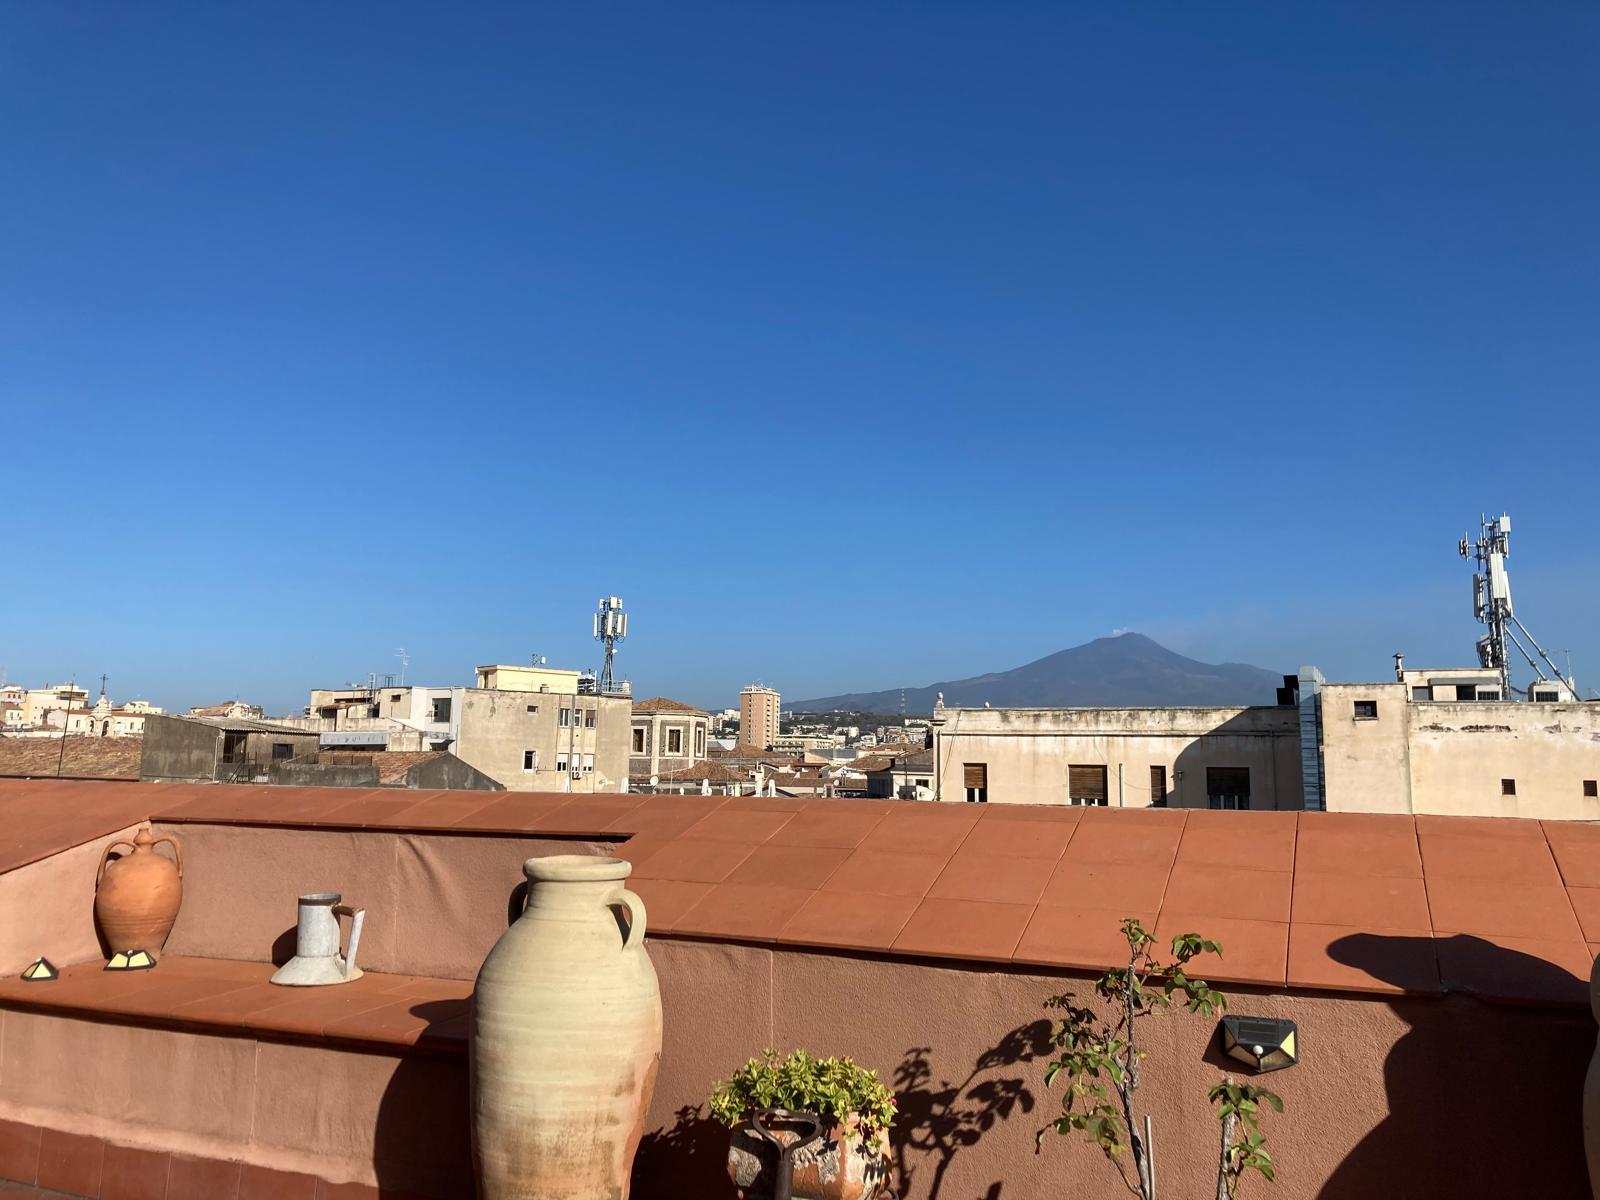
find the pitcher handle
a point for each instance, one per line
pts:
(177, 851)
(636, 918)
(105, 857)
(357, 917)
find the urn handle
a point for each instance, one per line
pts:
(177, 851)
(105, 859)
(636, 918)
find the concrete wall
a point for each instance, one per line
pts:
(314, 774)
(1028, 750)
(179, 751)
(496, 729)
(448, 772)
(1451, 757)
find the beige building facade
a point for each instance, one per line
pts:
(758, 716)
(1384, 751)
(1413, 745)
(666, 736)
(1118, 757)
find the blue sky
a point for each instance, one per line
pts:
(853, 345)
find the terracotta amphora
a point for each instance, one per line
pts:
(565, 1036)
(137, 896)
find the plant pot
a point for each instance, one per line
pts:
(137, 896)
(836, 1168)
(565, 1038)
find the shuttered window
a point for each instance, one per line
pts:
(1228, 787)
(975, 779)
(1087, 785)
(1158, 786)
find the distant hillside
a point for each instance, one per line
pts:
(1129, 670)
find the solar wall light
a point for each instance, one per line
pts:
(131, 960)
(1261, 1043)
(40, 970)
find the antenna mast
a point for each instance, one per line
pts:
(610, 627)
(1491, 604)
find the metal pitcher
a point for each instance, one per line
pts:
(317, 960)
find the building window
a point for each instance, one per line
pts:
(1508, 787)
(1488, 694)
(282, 750)
(1421, 695)
(1591, 787)
(588, 764)
(1544, 697)
(588, 718)
(533, 708)
(922, 783)
(1466, 691)
(699, 741)
(561, 763)
(674, 741)
(975, 779)
(441, 711)
(530, 760)
(1228, 787)
(638, 740)
(1087, 785)
(1366, 710)
(394, 697)
(565, 718)
(1158, 787)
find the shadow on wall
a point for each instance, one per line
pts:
(1483, 1098)
(423, 1137)
(688, 1159)
(939, 1120)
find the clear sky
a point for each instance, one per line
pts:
(853, 345)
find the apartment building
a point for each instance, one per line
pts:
(529, 728)
(758, 716)
(1429, 743)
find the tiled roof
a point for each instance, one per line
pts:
(658, 704)
(1344, 902)
(716, 772)
(81, 758)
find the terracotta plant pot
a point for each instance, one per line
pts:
(836, 1168)
(565, 1038)
(137, 896)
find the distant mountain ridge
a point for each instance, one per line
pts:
(1125, 671)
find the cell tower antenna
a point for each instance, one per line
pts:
(405, 661)
(610, 627)
(1491, 604)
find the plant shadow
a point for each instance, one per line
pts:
(939, 1119)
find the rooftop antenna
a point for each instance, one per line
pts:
(1491, 604)
(405, 661)
(610, 627)
(103, 678)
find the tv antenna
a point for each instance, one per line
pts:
(405, 661)
(610, 627)
(1491, 604)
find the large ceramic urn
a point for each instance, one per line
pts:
(1591, 1091)
(565, 1037)
(137, 895)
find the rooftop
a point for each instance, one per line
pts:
(1042, 886)
(73, 757)
(660, 704)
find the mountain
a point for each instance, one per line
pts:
(1129, 670)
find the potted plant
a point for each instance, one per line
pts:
(820, 1125)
